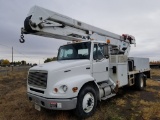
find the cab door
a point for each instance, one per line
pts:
(100, 65)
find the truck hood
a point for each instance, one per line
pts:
(60, 65)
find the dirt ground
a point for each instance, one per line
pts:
(129, 104)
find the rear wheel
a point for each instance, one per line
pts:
(140, 82)
(87, 102)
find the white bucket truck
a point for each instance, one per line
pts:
(89, 69)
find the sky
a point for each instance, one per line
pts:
(140, 18)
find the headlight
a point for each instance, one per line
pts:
(63, 89)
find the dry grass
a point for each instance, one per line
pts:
(128, 105)
(14, 75)
(149, 109)
(121, 102)
(151, 82)
(158, 95)
(134, 103)
(155, 72)
(151, 90)
(133, 96)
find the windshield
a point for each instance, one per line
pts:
(74, 51)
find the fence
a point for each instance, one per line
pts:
(155, 66)
(4, 71)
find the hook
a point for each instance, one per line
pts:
(22, 40)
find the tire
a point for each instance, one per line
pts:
(145, 78)
(140, 82)
(87, 102)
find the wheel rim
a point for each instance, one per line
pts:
(142, 82)
(88, 102)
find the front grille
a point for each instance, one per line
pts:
(38, 79)
(35, 90)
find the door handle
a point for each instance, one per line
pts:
(106, 68)
(87, 67)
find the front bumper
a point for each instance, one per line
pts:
(51, 103)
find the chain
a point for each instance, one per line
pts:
(22, 40)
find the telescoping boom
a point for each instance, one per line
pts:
(46, 23)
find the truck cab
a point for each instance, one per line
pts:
(59, 82)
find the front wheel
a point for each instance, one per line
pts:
(87, 102)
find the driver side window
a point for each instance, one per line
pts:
(98, 52)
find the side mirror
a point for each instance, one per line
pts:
(106, 54)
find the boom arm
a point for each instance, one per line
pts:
(46, 23)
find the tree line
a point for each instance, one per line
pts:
(155, 62)
(5, 62)
(50, 59)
